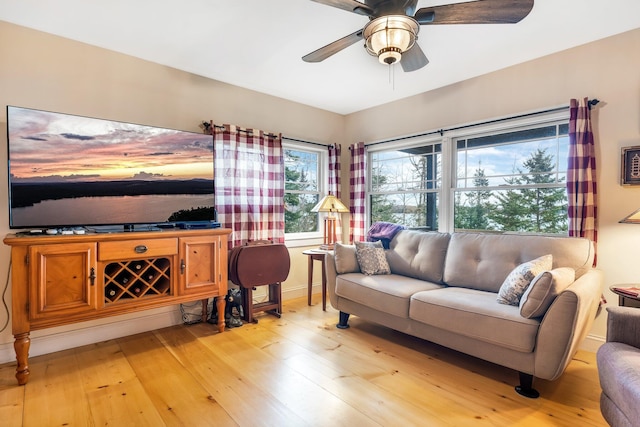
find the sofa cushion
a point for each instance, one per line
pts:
(418, 254)
(544, 288)
(345, 258)
(520, 278)
(371, 258)
(387, 293)
(482, 261)
(475, 314)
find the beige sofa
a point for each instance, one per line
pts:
(444, 287)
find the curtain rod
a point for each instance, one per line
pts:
(590, 103)
(207, 125)
(306, 142)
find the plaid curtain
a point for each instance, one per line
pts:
(335, 151)
(357, 187)
(249, 184)
(581, 173)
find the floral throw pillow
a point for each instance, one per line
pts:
(520, 278)
(372, 258)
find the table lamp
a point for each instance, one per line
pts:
(633, 218)
(330, 204)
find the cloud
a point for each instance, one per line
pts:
(56, 178)
(146, 175)
(79, 137)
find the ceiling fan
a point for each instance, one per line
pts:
(393, 26)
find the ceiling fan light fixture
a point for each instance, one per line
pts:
(388, 37)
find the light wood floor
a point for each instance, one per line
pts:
(295, 371)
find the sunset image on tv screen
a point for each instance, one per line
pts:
(78, 171)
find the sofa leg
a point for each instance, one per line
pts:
(344, 321)
(526, 386)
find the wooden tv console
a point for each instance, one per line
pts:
(62, 279)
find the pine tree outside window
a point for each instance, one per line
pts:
(304, 186)
(513, 181)
(404, 186)
(506, 175)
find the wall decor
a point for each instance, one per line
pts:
(631, 165)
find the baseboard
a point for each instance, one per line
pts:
(57, 339)
(592, 343)
(51, 340)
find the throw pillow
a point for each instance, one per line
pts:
(346, 260)
(544, 289)
(372, 258)
(517, 281)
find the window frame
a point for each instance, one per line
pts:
(315, 237)
(448, 140)
(410, 142)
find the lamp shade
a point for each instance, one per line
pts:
(388, 37)
(330, 203)
(633, 218)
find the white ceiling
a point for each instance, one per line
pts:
(258, 44)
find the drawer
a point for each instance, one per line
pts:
(126, 249)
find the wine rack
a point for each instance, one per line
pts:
(135, 279)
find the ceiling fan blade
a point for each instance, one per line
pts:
(413, 59)
(332, 48)
(349, 5)
(476, 12)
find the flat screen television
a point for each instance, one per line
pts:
(70, 171)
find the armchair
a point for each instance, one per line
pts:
(619, 367)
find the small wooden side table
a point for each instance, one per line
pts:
(316, 255)
(624, 299)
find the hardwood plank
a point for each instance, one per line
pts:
(245, 401)
(116, 396)
(178, 397)
(11, 396)
(403, 395)
(344, 373)
(57, 398)
(307, 399)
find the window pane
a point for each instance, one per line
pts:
(506, 163)
(538, 210)
(298, 217)
(301, 170)
(513, 181)
(404, 185)
(410, 209)
(301, 190)
(402, 170)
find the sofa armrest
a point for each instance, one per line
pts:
(331, 274)
(623, 325)
(566, 324)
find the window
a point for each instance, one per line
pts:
(302, 188)
(404, 185)
(513, 181)
(509, 175)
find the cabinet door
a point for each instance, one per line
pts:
(201, 268)
(62, 279)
